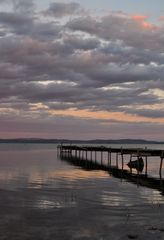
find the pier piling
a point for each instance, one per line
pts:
(82, 153)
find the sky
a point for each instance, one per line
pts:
(82, 69)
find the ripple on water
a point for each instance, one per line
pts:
(47, 204)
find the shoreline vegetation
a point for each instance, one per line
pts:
(67, 141)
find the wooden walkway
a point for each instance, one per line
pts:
(82, 152)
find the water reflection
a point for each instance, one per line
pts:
(53, 198)
(47, 204)
(68, 182)
(139, 179)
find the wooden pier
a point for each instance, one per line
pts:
(82, 152)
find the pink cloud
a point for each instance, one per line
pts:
(139, 17)
(142, 19)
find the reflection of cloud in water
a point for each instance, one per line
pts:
(7, 176)
(73, 174)
(85, 234)
(129, 198)
(48, 204)
(152, 196)
(45, 204)
(114, 199)
(42, 177)
(65, 177)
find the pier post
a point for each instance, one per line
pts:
(117, 159)
(138, 156)
(95, 156)
(160, 170)
(91, 155)
(86, 156)
(108, 159)
(61, 150)
(146, 165)
(130, 163)
(122, 157)
(101, 157)
(161, 163)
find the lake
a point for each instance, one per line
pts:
(45, 197)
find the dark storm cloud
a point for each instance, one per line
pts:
(121, 27)
(148, 113)
(59, 10)
(64, 96)
(81, 43)
(25, 25)
(121, 53)
(111, 63)
(14, 20)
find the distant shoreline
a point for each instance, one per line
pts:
(67, 141)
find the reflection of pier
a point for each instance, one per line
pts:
(79, 156)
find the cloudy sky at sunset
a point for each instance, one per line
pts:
(82, 69)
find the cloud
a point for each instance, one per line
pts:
(139, 17)
(23, 6)
(106, 67)
(4, 1)
(59, 10)
(13, 19)
(161, 19)
(122, 27)
(77, 42)
(148, 112)
(68, 127)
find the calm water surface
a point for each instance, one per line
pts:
(44, 197)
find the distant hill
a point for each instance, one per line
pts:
(67, 141)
